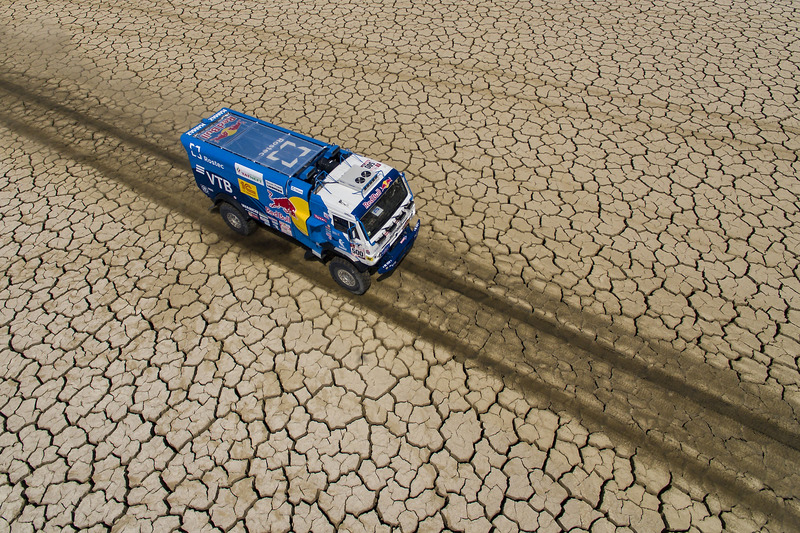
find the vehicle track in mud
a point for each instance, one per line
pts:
(518, 305)
(621, 117)
(702, 435)
(591, 103)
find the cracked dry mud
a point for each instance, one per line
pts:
(596, 331)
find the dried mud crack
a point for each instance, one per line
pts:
(595, 332)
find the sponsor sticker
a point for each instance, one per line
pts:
(248, 188)
(226, 127)
(249, 174)
(376, 193)
(227, 132)
(280, 215)
(274, 187)
(196, 128)
(212, 162)
(218, 114)
(283, 203)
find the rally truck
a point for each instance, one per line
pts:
(352, 212)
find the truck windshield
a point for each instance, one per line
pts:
(384, 208)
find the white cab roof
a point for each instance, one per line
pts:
(348, 184)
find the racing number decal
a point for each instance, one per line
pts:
(271, 155)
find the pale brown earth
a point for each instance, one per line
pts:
(597, 329)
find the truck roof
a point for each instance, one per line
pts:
(350, 194)
(268, 145)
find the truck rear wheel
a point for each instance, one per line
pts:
(348, 276)
(236, 220)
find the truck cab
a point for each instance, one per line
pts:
(353, 212)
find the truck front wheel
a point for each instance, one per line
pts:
(348, 276)
(236, 220)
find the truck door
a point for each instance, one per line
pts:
(348, 237)
(342, 231)
(357, 242)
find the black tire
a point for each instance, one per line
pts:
(348, 276)
(236, 220)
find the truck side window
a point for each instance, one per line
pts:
(341, 224)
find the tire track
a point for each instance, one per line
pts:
(433, 268)
(604, 388)
(423, 268)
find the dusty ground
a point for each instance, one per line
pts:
(597, 329)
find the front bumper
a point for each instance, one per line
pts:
(392, 258)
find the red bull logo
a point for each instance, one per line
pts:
(295, 207)
(285, 204)
(227, 132)
(227, 126)
(377, 193)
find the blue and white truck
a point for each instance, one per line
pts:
(354, 213)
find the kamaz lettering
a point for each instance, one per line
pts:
(317, 193)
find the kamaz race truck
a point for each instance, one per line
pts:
(355, 213)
